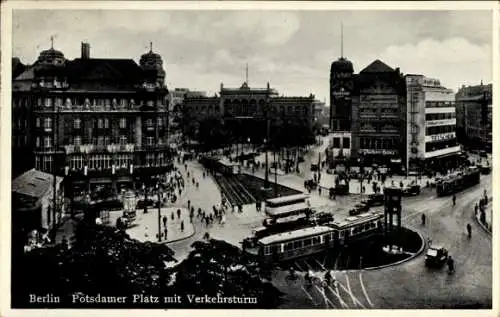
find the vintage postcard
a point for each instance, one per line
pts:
(234, 156)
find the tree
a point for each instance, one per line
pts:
(216, 267)
(101, 260)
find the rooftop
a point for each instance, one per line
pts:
(377, 67)
(290, 235)
(34, 183)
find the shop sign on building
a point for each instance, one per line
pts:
(434, 123)
(440, 137)
(378, 151)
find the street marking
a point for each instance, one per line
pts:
(349, 288)
(336, 291)
(309, 295)
(364, 290)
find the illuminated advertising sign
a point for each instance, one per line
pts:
(378, 151)
(440, 137)
(434, 123)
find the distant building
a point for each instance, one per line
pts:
(474, 116)
(100, 122)
(431, 125)
(379, 117)
(242, 110)
(32, 201)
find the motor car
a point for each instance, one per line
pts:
(362, 207)
(354, 212)
(436, 256)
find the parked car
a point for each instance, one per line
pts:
(436, 256)
(376, 199)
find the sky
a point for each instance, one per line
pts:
(293, 50)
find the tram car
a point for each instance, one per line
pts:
(220, 166)
(302, 242)
(458, 181)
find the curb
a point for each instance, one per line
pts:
(183, 238)
(485, 229)
(422, 248)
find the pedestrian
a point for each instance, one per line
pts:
(207, 221)
(469, 230)
(197, 185)
(182, 226)
(172, 216)
(165, 233)
(178, 213)
(164, 221)
(423, 219)
(189, 204)
(319, 190)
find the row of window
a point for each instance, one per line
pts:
(43, 163)
(122, 161)
(439, 129)
(439, 116)
(439, 104)
(87, 102)
(430, 147)
(100, 140)
(346, 143)
(382, 111)
(379, 143)
(369, 127)
(102, 123)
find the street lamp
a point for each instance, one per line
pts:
(159, 212)
(145, 198)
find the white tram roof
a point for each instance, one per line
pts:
(227, 163)
(279, 200)
(276, 211)
(296, 234)
(355, 220)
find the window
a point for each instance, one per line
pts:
(48, 102)
(346, 142)
(78, 140)
(37, 163)
(307, 242)
(150, 140)
(59, 102)
(76, 162)
(297, 244)
(107, 140)
(37, 122)
(149, 124)
(106, 123)
(316, 240)
(123, 123)
(47, 142)
(100, 140)
(288, 246)
(123, 139)
(100, 123)
(37, 143)
(150, 159)
(159, 121)
(77, 123)
(47, 124)
(336, 143)
(47, 163)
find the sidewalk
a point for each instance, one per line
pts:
(146, 225)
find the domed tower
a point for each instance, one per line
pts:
(49, 68)
(341, 88)
(152, 65)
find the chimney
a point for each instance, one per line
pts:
(85, 50)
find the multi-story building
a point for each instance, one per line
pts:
(379, 117)
(243, 111)
(102, 123)
(341, 89)
(431, 125)
(474, 116)
(22, 149)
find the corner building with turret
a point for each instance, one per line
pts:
(100, 123)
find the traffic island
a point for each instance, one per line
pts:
(368, 254)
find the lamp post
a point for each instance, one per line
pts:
(145, 199)
(266, 140)
(275, 173)
(159, 212)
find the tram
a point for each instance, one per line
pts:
(220, 166)
(311, 240)
(458, 181)
(273, 205)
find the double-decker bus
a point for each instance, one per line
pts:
(458, 181)
(287, 209)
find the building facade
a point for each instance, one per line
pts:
(101, 123)
(431, 125)
(379, 117)
(244, 111)
(474, 116)
(341, 90)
